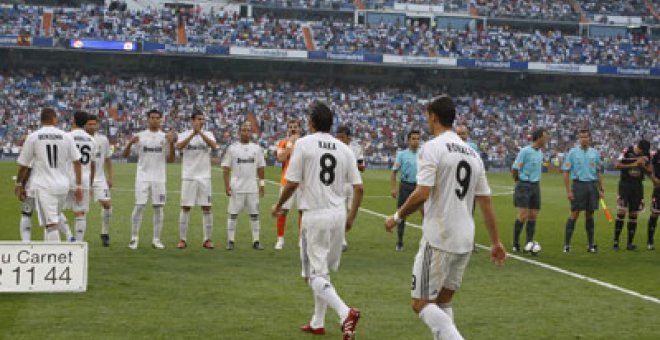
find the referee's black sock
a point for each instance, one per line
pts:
(531, 228)
(589, 224)
(570, 226)
(517, 229)
(399, 231)
(618, 226)
(632, 228)
(653, 221)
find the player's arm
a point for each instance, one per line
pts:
(92, 173)
(77, 170)
(358, 193)
(21, 179)
(108, 171)
(566, 171)
(393, 190)
(170, 147)
(497, 252)
(287, 192)
(261, 175)
(209, 141)
(226, 174)
(183, 143)
(285, 152)
(127, 149)
(412, 204)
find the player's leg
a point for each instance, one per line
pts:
(236, 202)
(142, 190)
(653, 219)
(570, 227)
(591, 205)
(188, 196)
(102, 195)
(63, 226)
(521, 197)
(534, 207)
(636, 204)
(622, 207)
(349, 201)
(204, 199)
(158, 199)
(281, 222)
(49, 209)
(80, 212)
(27, 207)
(404, 193)
(252, 204)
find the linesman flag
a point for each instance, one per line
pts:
(608, 215)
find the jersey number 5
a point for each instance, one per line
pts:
(463, 175)
(328, 164)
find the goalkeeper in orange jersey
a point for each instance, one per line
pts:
(584, 187)
(284, 151)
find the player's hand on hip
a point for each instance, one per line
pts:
(390, 223)
(497, 254)
(78, 194)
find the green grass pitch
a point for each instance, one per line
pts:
(246, 294)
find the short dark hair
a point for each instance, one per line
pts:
(645, 146)
(538, 133)
(412, 132)
(293, 121)
(154, 111)
(344, 129)
(80, 118)
(47, 115)
(581, 131)
(92, 117)
(443, 107)
(196, 113)
(321, 116)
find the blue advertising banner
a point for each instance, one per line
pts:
(217, 50)
(42, 42)
(152, 46)
(103, 45)
(316, 55)
(465, 62)
(604, 69)
(8, 40)
(655, 71)
(519, 65)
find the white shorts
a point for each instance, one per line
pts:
(49, 206)
(82, 206)
(101, 190)
(196, 193)
(243, 201)
(289, 203)
(157, 189)
(321, 236)
(435, 269)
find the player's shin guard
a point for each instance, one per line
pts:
(447, 309)
(590, 227)
(231, 226)
(570, 226)
(207, 222)
(183, 224)
(64, 227)
(517, 229)
(256, 227)
(320, 306)
(136, 219)
(324, 289)
(81, 226)
(653, 221)
(632, 228)
(281, 222)
(106, 214)
(26, 227)
(440, 323)
(531, 229)
(159, 215)
(618, 226)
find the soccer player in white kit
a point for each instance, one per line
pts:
(87, 148)
(344, 135)
(196, 146)
(155, 149)
(102, 176)
(244, 163)
(320, 167)
(450, 175)
(23, 191)
(48, 151)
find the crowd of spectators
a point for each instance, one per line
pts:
(629, 8)
(227, 29)
(380, 116)
(554, 10)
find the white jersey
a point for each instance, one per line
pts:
(196, 156)
(152, 150)
(456, 175)
(87, 148)
(244, 160)
(358, 152)
(102, 153)
(322, 165)
(50, 151)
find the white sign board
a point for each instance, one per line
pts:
(27, 267)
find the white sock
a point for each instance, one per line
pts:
(324, 289)
(207, 221)
(64, 227)
(52, 234)
(446, 308)
(81, 226)
(26, 228)
(159, 215)
(137, 220)
(320, 306)
(183, 224)
(440, 323)
(256, 227)
(105, 221)
(231, 227)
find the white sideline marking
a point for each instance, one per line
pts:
(549, 267)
